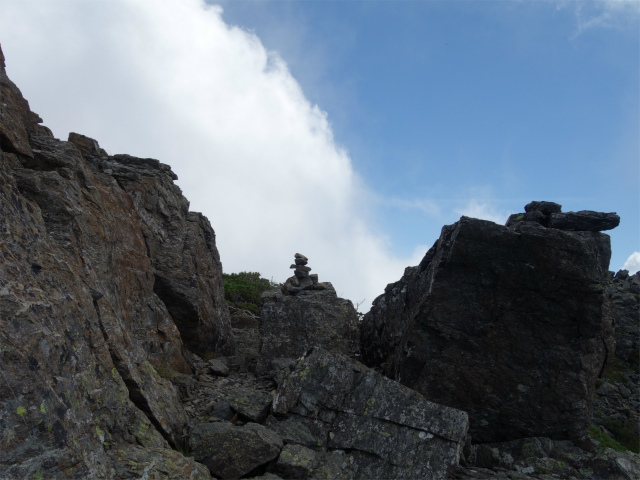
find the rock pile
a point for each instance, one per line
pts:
(301, 279)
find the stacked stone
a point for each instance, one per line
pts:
(548, 214)
(301, 279)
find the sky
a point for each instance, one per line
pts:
(349, 131)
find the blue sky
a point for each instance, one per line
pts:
(349, 131)
(442, 101)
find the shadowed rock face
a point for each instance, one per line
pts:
(81, 324)
(504, 323)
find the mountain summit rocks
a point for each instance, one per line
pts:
(549, 214)
(503, 322)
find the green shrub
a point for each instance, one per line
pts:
(605, 440)
(623, 434)
(615, 370)
(243, 290)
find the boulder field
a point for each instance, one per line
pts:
(495, 357)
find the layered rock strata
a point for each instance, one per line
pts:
(505, 323)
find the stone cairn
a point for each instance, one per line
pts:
(301, 279)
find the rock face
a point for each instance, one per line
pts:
(505, 323)
(290, 325)
(623, 298)
(84, 324)
(180, 244)
(389, 430)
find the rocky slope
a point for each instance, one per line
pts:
(104, 272)
(111, 300)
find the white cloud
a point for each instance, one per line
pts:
(633, 263)
(171, 80)
(483, 210)
(604, 14)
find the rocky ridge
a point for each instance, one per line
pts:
(111, 300)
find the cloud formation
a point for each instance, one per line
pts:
(171, 80)
(633, 263)
(604, 14)
(483, 210)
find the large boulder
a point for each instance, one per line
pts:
(290, 325)
(388, 430)
(232, 452)
(505, 323)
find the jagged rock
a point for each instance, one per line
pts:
(216, 367)
(292, 324)
(16, 121)
(181, 246)
(252, 404)
(83, 334)
(88, 147)
(584, 220)
(484, 324)
(386, 427)
(231, 452)
(546, 208)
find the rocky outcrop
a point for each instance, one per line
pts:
(180, 244)
(388, 430)
(505, 323)
(84, 328)
(290, 325)
(549, 214)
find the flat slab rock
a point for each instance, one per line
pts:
(385, 426)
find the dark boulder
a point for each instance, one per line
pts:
(388, 430)
(232, 452)
(503, 323)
